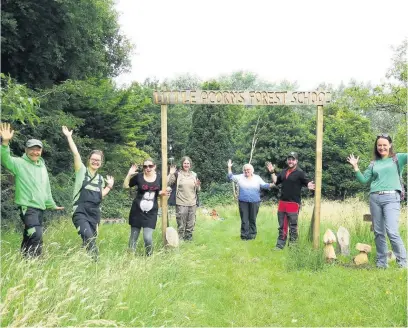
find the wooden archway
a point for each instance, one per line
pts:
(318, 98)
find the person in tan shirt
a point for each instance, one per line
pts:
(186, 187)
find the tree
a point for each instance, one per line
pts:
(47, 42)
(210, 143)
(18, 103)
(110, 114)
(345, 132)
(385, 103)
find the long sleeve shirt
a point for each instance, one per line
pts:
(32, 182)
(186, 188)
(249, 189)
(292, 183)
(383, 174)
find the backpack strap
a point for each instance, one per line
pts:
(87, 183)
(195, 179)
(395, 160)
(100, 182)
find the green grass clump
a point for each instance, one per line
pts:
(215, 280)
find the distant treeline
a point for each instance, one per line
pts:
(59, 59)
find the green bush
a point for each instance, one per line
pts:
(116, 204)
(217, 194)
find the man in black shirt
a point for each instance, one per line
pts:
(292, 179)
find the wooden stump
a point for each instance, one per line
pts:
(362, 258)
(328, 239)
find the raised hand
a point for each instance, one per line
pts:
(311, 185)
(6, 133)
(229, 164)
(270, 167)
(133, 169)
(173, 169)
(66, 132)
(353, 160)
(110, 181)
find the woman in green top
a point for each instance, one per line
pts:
(89, 190)
(385, 195)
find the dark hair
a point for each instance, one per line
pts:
(375, 152)
(98, 152)
(186, 158)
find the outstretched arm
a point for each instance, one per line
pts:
(271, 170)
(229, 164)
(73, 147)
(132, 171)
(6, 133)
(353, 161)
(6, 159)
(362, 177)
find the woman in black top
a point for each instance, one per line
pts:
(143, 213)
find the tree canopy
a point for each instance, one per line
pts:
(47, 42)
(58, 60)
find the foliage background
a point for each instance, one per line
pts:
(58, 61)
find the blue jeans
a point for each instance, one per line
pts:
(385, 211)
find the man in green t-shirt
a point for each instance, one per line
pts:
(33, 191)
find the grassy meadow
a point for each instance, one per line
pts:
(215, 280)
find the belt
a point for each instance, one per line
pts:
(385, 192)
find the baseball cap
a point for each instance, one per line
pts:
(34, 142)
(292, 154)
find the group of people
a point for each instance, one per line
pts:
(33, 195)
(144, 210)
(292, 179)
(386, 193)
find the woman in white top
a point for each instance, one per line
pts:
(249, 198)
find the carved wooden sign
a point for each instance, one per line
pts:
(230, 97)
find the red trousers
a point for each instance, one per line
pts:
(288, 213)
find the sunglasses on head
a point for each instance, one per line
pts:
(383, 135)
(150, 166)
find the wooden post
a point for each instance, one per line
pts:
(164, 169)
(318, 175)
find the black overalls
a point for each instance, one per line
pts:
(87, 215)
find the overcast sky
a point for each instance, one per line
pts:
(309, 41)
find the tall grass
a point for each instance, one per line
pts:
(216, 280)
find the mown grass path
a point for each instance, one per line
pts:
(216, 280)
